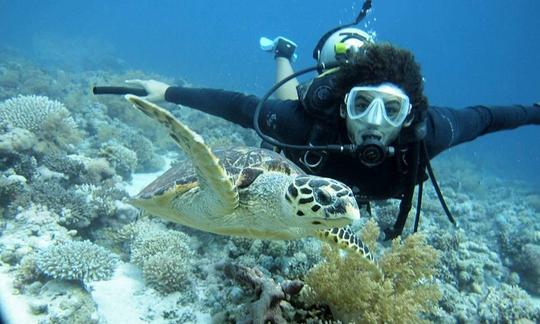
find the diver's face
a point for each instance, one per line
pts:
(375, 111)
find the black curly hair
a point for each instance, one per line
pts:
(385, 63)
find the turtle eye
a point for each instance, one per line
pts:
(324, 197)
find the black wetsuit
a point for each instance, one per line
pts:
(287, 121)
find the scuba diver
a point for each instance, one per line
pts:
(364, 120)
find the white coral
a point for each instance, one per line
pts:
(74, 260)
(31, 112)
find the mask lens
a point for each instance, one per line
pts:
(361, 103)
(393, 108)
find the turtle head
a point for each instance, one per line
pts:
(321, 202)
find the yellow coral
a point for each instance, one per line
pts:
(398, 290)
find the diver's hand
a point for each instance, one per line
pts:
(155, 89)
(280, 46)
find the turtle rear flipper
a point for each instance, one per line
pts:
(210, 172)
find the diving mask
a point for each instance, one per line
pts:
(384, 103)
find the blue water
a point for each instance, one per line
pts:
(471, 52)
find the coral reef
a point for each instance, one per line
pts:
(267, 307)
(72, 169)
(77, 208)
(17, 140)
(122, 159)
(164, 255)
(290, 259)
(397, 290)
(48, 119)
(74, 260)
(507, 304)
(527, 263)
(167, 272)
(64, 302)
(58, 186)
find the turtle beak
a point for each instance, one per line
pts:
(352, 211)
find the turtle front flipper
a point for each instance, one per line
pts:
(209, 171)
(345, 238)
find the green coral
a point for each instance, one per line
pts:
(397, 290)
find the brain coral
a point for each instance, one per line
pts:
(32, 112)
(74, 260)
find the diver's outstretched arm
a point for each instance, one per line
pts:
(284, 69)
(283, 50)
(449, 127)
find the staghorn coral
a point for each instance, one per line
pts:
(396, 291)
(74, 260)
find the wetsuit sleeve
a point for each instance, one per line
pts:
(284, 120)
(448, 127)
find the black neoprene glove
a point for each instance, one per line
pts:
(284, 49)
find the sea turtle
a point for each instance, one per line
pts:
(246, 191)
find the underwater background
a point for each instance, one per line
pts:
(65, 177)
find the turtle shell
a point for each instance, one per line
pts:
(243, 164)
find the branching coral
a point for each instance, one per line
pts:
(164, 256)
(398, 290)
(73, 207)
(49, 119)
(120, 157)
(167, 272)
(31, 112)
(73, 169)
(73, 260)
